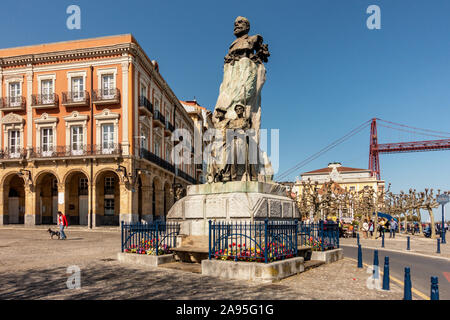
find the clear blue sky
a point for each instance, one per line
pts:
(327, 72)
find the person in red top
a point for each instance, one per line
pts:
(62, 223)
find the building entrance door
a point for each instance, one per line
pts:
(13, 210)
(83, 210)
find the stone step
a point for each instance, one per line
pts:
(183, 266)
(190, 254)
(313, 264)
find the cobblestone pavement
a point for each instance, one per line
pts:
(420, 245)
(34, 267)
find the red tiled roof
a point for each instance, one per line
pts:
(339, 169)
(192, 103)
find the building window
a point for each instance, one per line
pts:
(83, 187)
(157, 149)
(143, 138)
(109, 207)
(47, 91)
(77, 140)
(352, 188)
(107, 137)
(78, 88)
(108, 86)
(143, 91)
(14, 143)
(156, 104)
(109, 185)
(47, 141)
(15, 94)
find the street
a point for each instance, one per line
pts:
(422, 268)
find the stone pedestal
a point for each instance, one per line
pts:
(231, 201)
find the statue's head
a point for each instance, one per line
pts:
(241, 26)
(220, 113)
(239, 109)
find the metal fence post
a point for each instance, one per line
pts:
(121, 225)
(209, 241)
(321, 234)
(407, 285)
(157, 236)
(434, 289)
(408, 245)
(386, 274)
(438, 246)
(266, 238)
(360, 264)
(382, 240)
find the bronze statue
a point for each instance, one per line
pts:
(251, 47)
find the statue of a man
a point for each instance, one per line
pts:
(244, 74)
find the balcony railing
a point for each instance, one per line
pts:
(13, 153)
(73, 151)
(145, 104)
(106, 96)
(75, 99)
(169, 126)
(159, 119)
(145, 154)
(12, 103)
(44, 100)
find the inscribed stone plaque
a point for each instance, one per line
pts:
(193, 208)
(287, 210)
(275, 209)
(215, 207)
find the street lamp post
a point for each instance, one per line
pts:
(443, 199)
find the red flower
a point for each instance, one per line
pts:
(234, 244)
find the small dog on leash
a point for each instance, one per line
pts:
(54, 233)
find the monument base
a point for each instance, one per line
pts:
(230, 201)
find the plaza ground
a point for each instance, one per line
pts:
(34, 267)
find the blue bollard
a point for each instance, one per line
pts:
(386, 274)
(382, 240)
(434, 289)
(408, 245)
(407, 285)
(376, 265)
(360, 264)
(438, 246)
(357, 239)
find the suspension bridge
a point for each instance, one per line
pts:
(376, 148)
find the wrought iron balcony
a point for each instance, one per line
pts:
(186, 176)
(106, 96)
(145, 154)
(159, 119)
(44, 101)
(75, 99)
(12, 103)
(169, 128)
(145, 104)
(13, 154)
(113, 149)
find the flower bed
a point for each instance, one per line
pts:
(275, 251)
(316, 244)
(149, 247)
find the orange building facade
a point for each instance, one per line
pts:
(87, 129)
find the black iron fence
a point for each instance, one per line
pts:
(154, 238)
(320, 236)
(145, 154)
(76, 151)
(45, 99)
(144, 102)
(106, 95)
(257, 242)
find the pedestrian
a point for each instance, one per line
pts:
(381, 227)
(392, 227)
(371, 228)
(62, 223)
(365, 228)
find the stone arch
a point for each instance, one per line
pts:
(69, 173)
(107, 197)
(13, 198)
(76, 196)
(47, 185)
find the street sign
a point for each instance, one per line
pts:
(442, 199)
